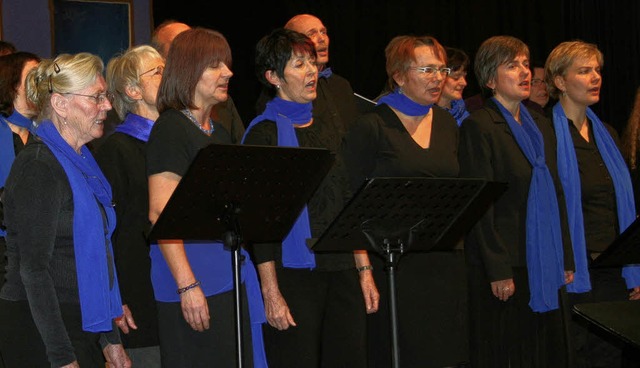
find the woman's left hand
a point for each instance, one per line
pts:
(126, 321)
(116, 356)
(369, 291)
(635, 293)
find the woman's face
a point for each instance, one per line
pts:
(300, 79)
(512, 83)
(213, 86)
(419, 86)
(150, 73)
(453, 87)
(581, 82)
(87, 110)
(21, 102)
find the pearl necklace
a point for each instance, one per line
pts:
(189, 115)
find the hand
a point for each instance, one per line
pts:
(568, 277)
(635, 293)
(277, 310)
(195, 309)
(116, 357)
(503, 289)
(126, 320)
(369, 291)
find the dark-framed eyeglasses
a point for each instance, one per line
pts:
(158, 70)
(458, 74)
(536, 81)
(430, 71)
(99, 99)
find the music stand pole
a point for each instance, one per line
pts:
(428, 214)
(392, 257)
(232, 240)
(253, 194)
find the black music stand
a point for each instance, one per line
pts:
(621, 319)
(624, 250)
(397, 215)
(237, 194)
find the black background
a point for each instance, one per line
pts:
(359, 31)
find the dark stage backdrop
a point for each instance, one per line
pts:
(360, 30)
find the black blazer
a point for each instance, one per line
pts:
(488, 150)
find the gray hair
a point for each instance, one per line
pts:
(493, 52)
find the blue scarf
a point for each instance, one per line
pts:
(404, 104)
(458, 110)
(325, 73)
(570, 178)
(136, 126)
(99, 303)
(544, 240)
(295, 252)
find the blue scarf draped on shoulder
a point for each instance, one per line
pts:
(7, 151)
(458, 110)
(404, 104)
(100, 300)
(295, 252)
(570, 178)
(136, 126)
(545, 264)
(325, 73)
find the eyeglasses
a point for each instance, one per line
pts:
(536, 81)
(99, 98)
(158, 70)
(457, 75)
(430, 71)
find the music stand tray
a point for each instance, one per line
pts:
(625, 249)
(395, 215)
(618, 318)
(242, 194)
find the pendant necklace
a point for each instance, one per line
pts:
(189, 115)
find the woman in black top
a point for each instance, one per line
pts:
(599, 193)
(61, 296)
(313, 301)
(408, 135)
(518, 254)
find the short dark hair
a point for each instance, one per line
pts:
(274, 50)
(11, 66)
(7, 48)
(457, 59)
(493, 52)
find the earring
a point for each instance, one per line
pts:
(277, 86)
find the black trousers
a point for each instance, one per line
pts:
(22, 345)
(329, 310)
(181, 346)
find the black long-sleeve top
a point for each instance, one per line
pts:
(40, 249)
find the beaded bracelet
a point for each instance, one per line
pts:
(188, 287)
(364, 268)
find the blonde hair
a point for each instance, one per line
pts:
(124, 71)
(66, 73)
(561, 58)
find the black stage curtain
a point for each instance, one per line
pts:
(360, 30)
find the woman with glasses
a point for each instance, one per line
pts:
(133, 79)
(408, 135)
(61, 298)
(519, 253)
(451, 97)
(599, 193)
